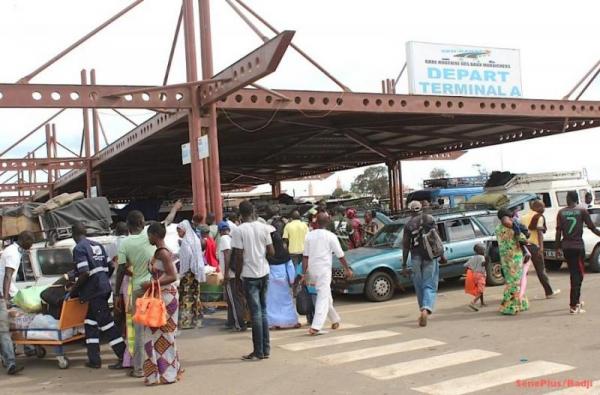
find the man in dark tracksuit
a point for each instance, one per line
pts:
(93, 286)
(569, 227)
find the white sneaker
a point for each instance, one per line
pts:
(556, 292)
(577, 310)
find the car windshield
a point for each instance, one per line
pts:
(389, 236)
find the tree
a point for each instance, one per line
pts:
(438, 173)
(339, 193)
(373, 181)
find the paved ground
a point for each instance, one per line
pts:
(380, 350)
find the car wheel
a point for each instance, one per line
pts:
(552, 265)
(594, 264)
(494, 274)
(379, 287)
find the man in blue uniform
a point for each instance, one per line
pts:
(93, 272)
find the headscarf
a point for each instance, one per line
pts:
(190, 252)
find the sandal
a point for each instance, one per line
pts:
(313, 332)
(335, 326)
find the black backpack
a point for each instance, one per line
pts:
(54, 296)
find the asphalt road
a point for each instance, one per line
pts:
(379, 350)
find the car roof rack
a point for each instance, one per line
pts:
(455, 182)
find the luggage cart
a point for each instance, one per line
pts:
(72, 315)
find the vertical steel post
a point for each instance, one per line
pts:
(95, 119)
(49, 156)
(391, 186)
(400, 185)
(213, 139)
(54, 148)
(86, 142)
(198, 187)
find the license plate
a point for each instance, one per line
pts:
(551, 254)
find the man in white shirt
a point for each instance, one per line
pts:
(10, 262)
(251, 242)
(233, 285)
(9, 267)
(319, 246)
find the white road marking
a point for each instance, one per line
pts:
(326, 340)
(281, 334)
(423, 365)
(493, 378)
(572, 389)
(373, 352)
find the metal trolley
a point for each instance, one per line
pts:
(72, 315)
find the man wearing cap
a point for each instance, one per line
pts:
(424, 271)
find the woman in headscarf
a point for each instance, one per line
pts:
(356, 237)
(191, 272)
(511, 259)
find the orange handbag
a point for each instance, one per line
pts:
(150, 310)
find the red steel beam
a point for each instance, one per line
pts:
(95, 121)
(24, 187)
(34, 164)
(252, 67)
(358, 139)
(31, 132)
(97, 96)
(173, 46)
(327, 102)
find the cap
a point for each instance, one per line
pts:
(223, 225)
(415, 206)
(204, 229)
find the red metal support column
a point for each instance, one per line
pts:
(49, 156)
(86, 142)
(391, 187)
(275, 189)
(400, 185)
(213, 139)
(95, 119)
(54, 148)
(198, 186)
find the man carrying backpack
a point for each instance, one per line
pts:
(425, 247)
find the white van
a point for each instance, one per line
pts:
(45, 264)
(552, 189)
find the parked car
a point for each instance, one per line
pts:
(554, 261)
(377, 266)
(46, 263)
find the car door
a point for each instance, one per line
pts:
(463, 234)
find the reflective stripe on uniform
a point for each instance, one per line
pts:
(92, 341)
(98, 270)
(107, 326)
(90, 322)
(116, 341)
(82, 264)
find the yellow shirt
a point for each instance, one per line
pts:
(526, 220)
(295, 232)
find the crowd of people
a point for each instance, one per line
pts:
(264, 263)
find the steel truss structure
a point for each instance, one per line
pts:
(258, 135)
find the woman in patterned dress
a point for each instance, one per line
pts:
(511, 259)
(191, 270)
(162, 360)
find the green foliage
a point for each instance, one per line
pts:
(373, 181)
(438, 173)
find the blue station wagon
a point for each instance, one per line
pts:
(377, 266)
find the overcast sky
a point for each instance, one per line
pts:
(359, 42)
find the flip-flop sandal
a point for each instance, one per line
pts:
(335, 326)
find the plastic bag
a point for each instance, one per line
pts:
(304, 303)
(30, 299)
(46, 329)
(470, 284)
